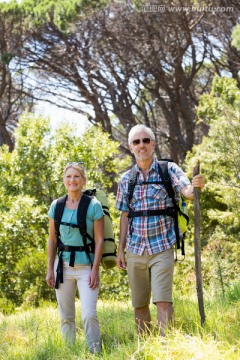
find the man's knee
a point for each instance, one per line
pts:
(142, 309)
(165, 312)
(164, 306)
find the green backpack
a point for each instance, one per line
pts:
(183, 218)
(178, 211)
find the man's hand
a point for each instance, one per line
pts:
(198, 181)
(121, 263)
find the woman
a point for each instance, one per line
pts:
(85, 273)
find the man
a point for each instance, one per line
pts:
(149, 240)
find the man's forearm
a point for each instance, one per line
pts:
(188, 192)
(123, 231)
(198, 181)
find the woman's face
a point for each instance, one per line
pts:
(73, 179)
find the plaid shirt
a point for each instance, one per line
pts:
(153, 233)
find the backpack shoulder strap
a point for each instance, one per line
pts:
(82, 224)
(163, 171)
(81, 214)
(59, 213)
(131, 184)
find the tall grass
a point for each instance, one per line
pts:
(34, 334)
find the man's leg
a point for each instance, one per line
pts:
(140, 284)
(164, 315)
(162, 267)
(142, 319)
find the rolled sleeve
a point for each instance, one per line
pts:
(121, 198)
(51, 211)
(97, 211)
(178, 177)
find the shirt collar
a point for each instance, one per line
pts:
(154, 166)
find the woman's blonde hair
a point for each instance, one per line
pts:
(77, 166)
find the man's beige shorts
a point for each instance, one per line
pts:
(150, 273)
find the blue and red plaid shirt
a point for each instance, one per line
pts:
(153, 233)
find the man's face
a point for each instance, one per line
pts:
(142, 147)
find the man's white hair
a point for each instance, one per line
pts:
(140, 127)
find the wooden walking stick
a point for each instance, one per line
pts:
(197, 246)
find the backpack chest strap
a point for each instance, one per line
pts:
(170, 211)
(70, 248)
(82, 231)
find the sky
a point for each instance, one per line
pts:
(57, 116)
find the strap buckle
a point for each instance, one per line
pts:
(171, 211)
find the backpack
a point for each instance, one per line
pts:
(178, 211)
(109, 247)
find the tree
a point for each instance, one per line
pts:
(121, 65)
(13, 96)
(219, 155)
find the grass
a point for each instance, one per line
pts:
(34, 334)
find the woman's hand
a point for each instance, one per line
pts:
(94, 279)
(50, 278)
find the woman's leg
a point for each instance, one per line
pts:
(66, 304)
(88, 298)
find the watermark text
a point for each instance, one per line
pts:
(146, 8)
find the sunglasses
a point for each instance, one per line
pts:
(74, 163)
(144, 140)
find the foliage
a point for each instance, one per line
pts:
(31, 267)
(236, 37)
(30, 157)
(31, 179)
(219, 155)
(62, 12)
(35, 333)
(114, 285)
(22, 229)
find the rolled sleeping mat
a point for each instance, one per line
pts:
(109, 258)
